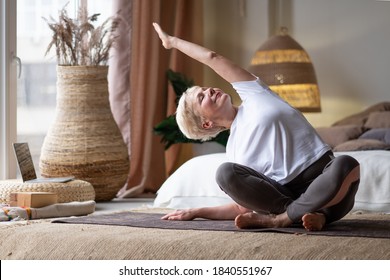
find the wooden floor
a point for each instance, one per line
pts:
(122, 204)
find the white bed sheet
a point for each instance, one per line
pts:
(374, 187)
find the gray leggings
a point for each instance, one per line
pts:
(308, 192)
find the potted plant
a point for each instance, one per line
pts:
(168, 128)
(84, 140)
(78, 42)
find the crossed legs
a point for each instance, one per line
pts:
(328, 198)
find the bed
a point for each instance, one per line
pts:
(186, 188)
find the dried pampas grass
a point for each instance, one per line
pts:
(78, 42)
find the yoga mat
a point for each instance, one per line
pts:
(345, 227)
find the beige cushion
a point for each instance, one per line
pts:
(76, 190)
(336, 135)
(362, 145)
(378, 120)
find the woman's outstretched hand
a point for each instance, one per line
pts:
(164, 37)
(180, 215)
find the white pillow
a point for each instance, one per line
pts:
(193, 185)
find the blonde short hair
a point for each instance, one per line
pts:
(190, 122)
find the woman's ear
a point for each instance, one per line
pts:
(207, 124)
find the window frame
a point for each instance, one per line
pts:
(8, 90)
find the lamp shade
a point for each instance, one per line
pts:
(286, 68)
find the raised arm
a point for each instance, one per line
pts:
(221, 65)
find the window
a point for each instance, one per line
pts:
(7, 86)
(36, 86)
(28, 101)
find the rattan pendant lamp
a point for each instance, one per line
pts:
(286, 68)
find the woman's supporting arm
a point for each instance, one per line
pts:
(223, 212)
(225, 68)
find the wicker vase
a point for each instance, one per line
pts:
(84, 139)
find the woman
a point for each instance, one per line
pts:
(279, 171)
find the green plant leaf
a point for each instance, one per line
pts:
(179, 82)
(170, 132)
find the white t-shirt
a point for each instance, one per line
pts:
(270, 136)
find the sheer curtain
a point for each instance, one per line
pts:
(139, 92)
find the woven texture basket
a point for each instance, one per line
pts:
(84, 140)
(75, 190)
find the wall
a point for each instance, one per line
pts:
(347, 40)
(235, 29)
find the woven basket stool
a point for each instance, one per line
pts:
(75, 190)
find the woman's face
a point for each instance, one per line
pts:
(211, 103)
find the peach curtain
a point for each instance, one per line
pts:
(139, 93)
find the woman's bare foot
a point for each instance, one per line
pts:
(313, 221)
(259, 220)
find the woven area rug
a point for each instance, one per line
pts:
(346, 227)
